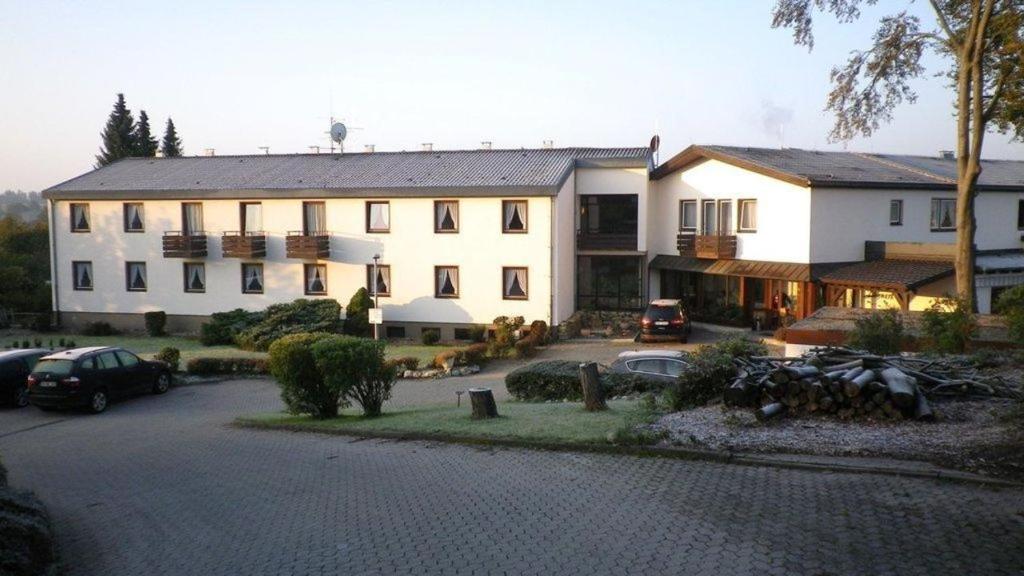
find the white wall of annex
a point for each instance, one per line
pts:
(564, 252)
(412, 249)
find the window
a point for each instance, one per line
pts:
(79, 217)
(708, 224)
(251, 220)
(316, 279)
(943, 214)
(82, 272)
(513, 216)
(135, 276)
(514, 282)
(378, 217)
(609, 282)
(748, 216)
(446, 281)
(134, 221)
(896, 212)
(314, 219)
(191, 219)
(1020, 214)
(107, 361)
(446, 216)
(127, 358)
(688, 215)
(383, 280)
(394, 331)
(195, 277)
(725, 217)
(252, 278)
(609, 214)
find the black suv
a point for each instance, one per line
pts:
(665, 319)
(15, 366)
(91, 377)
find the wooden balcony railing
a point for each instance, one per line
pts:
(244, 244)
(307, 247)
(715, 246)
(586, 241)
(177, 244)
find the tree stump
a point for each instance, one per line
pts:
(482, 400)
(593, 395)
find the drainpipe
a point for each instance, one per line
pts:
(52, 233)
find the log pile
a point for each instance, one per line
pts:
(852, 384)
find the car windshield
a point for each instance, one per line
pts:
(663, 312)
(57, 367)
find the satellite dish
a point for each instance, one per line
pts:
(338, 132)
(655, 143)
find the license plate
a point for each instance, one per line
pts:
(47, 384)
(661, 323)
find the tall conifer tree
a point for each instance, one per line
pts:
(118, 134)
(145, 144)
(171, 145)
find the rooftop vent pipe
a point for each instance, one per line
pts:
(210, 152)
(485, 145)
(369, 148)
(549, 144)
(428, 146)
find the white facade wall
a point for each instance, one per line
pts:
(564, 252)
(412, 249)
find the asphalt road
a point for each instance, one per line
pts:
(164, 485)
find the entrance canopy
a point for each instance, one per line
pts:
(747, 268)
(896, 275)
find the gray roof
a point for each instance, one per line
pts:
(445, 172)
(851, 169)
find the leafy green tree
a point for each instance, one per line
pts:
(949, 325)
(357, 314)
(24, 265)
(980, 44)
(1011, 305)
(145, 144)
(171, 144)
(118, 134)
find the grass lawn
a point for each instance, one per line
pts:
(564, 423)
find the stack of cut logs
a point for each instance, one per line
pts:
(852, 384)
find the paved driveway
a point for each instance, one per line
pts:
(162, 485)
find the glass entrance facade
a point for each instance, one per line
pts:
(609, 282)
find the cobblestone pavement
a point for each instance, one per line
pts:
(162, 485)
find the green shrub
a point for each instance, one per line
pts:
(453, 354)
(505, 330)
(224, 327)
(478, 333)
(560, 380)
(38, 342)
(1011, 305)
(709, 372)
(357, 314)
(14, 344)
(740, 347)
(42, 322)
(99, 329)
(878, 333)
(430, 336)
(298, 317)
(26, 537)
(526, 347)
(72, 344)
(355, 368)
(949, 326)
(61, 342)
(222, 366)
(408, 362)
(302, 384)
(475, 354)
(170, 356)
(26, 344)
(539, 332)
(156, 321)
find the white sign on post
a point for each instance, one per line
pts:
(376, 315)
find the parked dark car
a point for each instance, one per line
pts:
(91, 378)
(15, 366)
(665, 320)
(661, 365)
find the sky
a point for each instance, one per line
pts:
(236, 76)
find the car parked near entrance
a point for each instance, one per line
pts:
(91, 378)
(15, 366)
(665, 320)
(661, 365)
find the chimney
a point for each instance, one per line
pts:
(549, 144)
(314, 149)
(428, 146)
(210, 152)
(369, 148)
(947, 155)
(485, 145)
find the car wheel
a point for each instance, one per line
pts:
(20, 397)
(98, 401)
(163, 383)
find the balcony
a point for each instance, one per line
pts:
(177, 244)
(714, 247)
(244, 244)
(602, 241)
(307, 247)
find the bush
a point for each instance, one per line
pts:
(38, 342)
(705, 379)
(525, 347)
(42, 323)
(430, 336)
(26, 538)
(170, 356)
(99, 329)
(224, 327)
(539, 332)
(478, 333)
(1011, 305)
(454, 355)
(155, 322)
(217, 366)
(408, 362)
(26, 344)
(302, 384)
(878, 333)
(299, 317)
(505, 330)
(357, 314)
(355, 368)
(560, 380)
(740, 347)
(475, 354)
(949, 326)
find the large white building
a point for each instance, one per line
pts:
(466, 236)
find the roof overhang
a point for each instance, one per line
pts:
(228, 194)
(696, 154)
(793, 272)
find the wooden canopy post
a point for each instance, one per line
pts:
(482, 400)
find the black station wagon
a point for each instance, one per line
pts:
(15, 366)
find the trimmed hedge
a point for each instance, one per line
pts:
(170, 356)
(155, 322)
(215, 366)
(560, 380)
(99, 329)
(301, 316)
(224, 327)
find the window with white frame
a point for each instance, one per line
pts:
(687, 215)
(446, 281)
(513, 216)
(252, 278)
(82, 272)
(135, 276)
(895, 212)
(195, 277)
(446, 216)
(134, 220)
(943, 214)
(79, 217)
(316, 279)
(514, 283)
(378, 217)
(748, 216)
(381, 281)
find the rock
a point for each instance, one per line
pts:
(408, 374)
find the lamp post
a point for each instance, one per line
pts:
(376, 304)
